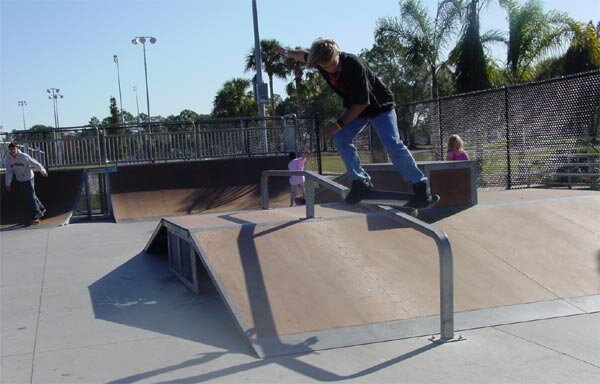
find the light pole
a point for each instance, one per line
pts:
(258, 60)
(142, 40)
(137, 105)
(22, 104)
(259, 82)
(54, 96)
(116, 60)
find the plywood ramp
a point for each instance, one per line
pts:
(150, 191)
(59, 192)
(348, 277)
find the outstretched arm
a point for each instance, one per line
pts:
(36, 165)
(296, 54)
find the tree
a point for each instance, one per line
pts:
(422, 37)
(114, 117)
(532, 35)
(296, 68)
(272, 63)
(583, 55)
(233, 101)
(388, 60)
(584, 52)
(94, 121)
(471, 67)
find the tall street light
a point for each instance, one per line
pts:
(142, 40)
(116, 60)
(22, 104)
(260, 88)
(137, 105)
(54, 96)
(258, 60)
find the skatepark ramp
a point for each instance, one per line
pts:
(344, 277)
(441, 240)
(59, 192)
(289, 290)
(151, 191)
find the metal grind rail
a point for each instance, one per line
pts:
(443, 244)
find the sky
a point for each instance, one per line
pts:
(201, 44)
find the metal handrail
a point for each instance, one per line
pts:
(446, 265)
(441, 239)
(309, 187)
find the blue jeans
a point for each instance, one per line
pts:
(35, 205)
(386, 126)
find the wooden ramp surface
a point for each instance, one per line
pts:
(345, 277)
(59, 192)
(141, 192)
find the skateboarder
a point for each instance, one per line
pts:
(366, 100)
(20, 165)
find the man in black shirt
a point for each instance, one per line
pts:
(366, 100)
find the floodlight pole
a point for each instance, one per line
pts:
(257, 58)
(22, 104)
(142, 40)
(116, 60)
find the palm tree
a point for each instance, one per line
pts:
(233, 101)
(532, 35)
(424, 38)
(272, 63)
(296, 69)
(471, 69)
(584, 52)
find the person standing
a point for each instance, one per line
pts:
(21, 165)
(456, 149)
(366, 100)
(296, 182)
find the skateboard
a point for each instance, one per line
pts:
(398, 200)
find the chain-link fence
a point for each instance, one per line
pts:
(520, 135)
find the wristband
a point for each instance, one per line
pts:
(337, 125)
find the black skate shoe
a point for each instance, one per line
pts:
(359, 190)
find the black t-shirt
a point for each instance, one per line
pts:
(357, 84)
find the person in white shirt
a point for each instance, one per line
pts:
(21, 165)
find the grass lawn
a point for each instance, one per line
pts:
(332, 162)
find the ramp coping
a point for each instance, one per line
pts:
(442, 242)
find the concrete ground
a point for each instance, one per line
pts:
(83, 304)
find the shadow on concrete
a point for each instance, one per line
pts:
(289, 362)
(142, 293)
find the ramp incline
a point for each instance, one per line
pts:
(59, 192)
(346, 277)
(170, 189)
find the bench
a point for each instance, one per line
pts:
(584, 170)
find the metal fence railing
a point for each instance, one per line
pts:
(518, 134)
(160, 141)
